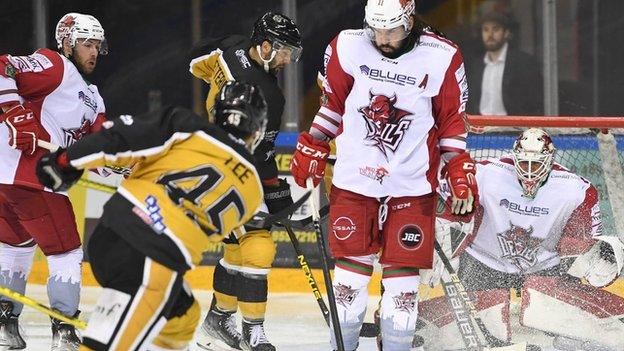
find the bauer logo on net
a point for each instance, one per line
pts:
(411, 237)
(343, 227)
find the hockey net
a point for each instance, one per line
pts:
(592, 147)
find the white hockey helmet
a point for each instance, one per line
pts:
(76, 25)
(387, 15)
(534, 155)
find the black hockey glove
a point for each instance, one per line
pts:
(607, 253)
(55, 172)
(277, 197)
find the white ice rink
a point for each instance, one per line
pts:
(294, 321)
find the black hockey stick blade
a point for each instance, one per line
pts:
(264, 220)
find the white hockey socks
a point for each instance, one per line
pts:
(399, 312)
(15, 265)
(64, 281)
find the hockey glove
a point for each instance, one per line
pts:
(309, 159)
(24, 129)
(602, 264)
(277, 197)
(55, 172)
(460, 174)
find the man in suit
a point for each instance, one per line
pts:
(505, 81)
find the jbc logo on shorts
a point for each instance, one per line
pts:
(410, 237)
(343, 227)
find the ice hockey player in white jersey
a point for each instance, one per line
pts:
(539, 231)
(394, 95)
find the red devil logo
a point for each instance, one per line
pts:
(519, 247)
(384, 122)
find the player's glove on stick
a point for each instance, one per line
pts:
(460, 174)
(277, 197)
(309, 159)
(55, 172)
(24, 129)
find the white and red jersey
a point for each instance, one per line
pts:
(516, 234)
(66, 105)
(392, 118)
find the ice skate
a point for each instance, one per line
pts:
(64, 336)
(10, 336)
(218, 331)
(254, 338)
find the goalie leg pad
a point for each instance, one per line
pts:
(351, 278)
(567, 308)
(441, 331)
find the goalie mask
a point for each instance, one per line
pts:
(79, 26)
(241, 110)
(534, 155)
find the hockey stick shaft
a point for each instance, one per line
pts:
(368, 330)
(316, 218)
(14, 295)
(308, 272)
(459, 289)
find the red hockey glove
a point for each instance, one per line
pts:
(309, 159)
(24, 129)
(460, 174)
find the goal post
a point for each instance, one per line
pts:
(592, 147)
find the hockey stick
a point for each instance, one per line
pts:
(369, 330)
(320, 240)
(14, 295)
(455, 288)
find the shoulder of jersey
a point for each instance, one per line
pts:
(561, 173)
(54, 56)
(223, 137)
(504, 162)
(435, 41)
(355, 35)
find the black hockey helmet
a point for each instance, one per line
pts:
(280, 31)
(241, 110)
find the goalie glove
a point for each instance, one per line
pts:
(602, 264)
(460, 172)
(453, 237)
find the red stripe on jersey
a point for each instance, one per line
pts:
(434, 159)
(577, 237)
(340, 82)
(327, 118)
(323, 130)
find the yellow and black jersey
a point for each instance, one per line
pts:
(217, 61)
(192, 184)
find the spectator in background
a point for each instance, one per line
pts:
(506, 81)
